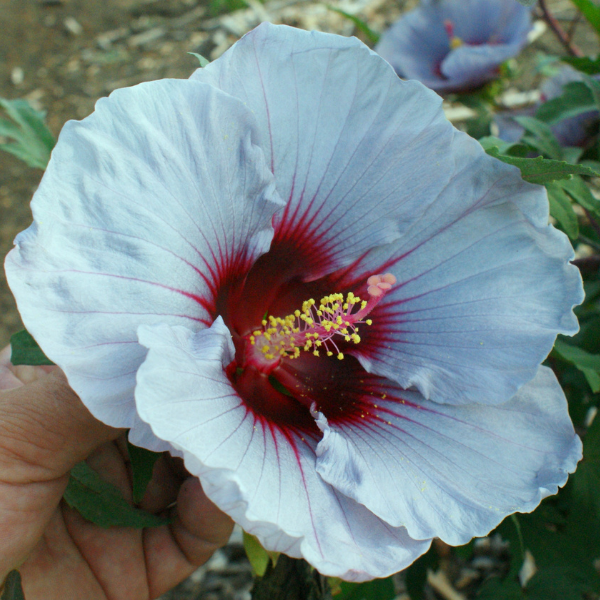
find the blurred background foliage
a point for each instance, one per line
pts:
(60, 56)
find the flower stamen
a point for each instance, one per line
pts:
(455, 42)
(314, 327)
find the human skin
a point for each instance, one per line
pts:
(44, 431)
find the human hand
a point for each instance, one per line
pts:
(44, 431)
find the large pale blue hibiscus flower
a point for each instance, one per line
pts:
(180, 233)
(455, 45)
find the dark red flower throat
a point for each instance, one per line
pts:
(291, 339)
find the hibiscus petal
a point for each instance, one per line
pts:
(262, 476)
(452, 472)
(484, 286)
(133, 223)
(357, 154)
(471, 66)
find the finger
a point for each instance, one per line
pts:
(29, 373)
(163, 488)
(174, 552)
(8, 380)
(45, 430)
(12, 376)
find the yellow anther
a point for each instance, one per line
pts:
(306, 329)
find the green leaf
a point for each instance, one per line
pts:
(540, 137)
(562, 210)
(594, 88)
(31, 140)
(102, 503)
(203, 61)
(142, 466)
(13, 589)
(24, 350)
(541, 170)
(259, 557)
(586, 480)
(569, 549)
(510, 148)
(378, 589)
(588, 364)
(585, 64)
(500, 589)
(576, 98)
(572, 154)
(580, 192)
(590, 11)
(556, 584)
(359, 23)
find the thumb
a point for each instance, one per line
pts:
(45, 430)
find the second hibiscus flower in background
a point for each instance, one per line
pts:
(456, 45)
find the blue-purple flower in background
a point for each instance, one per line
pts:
(292, 271)
(455, 45)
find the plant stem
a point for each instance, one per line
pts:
(588, 264)
(560, 33)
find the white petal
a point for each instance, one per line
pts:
(144, 208)
(262, 476)
(484, 286)
(453, 472)
(357, 153)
